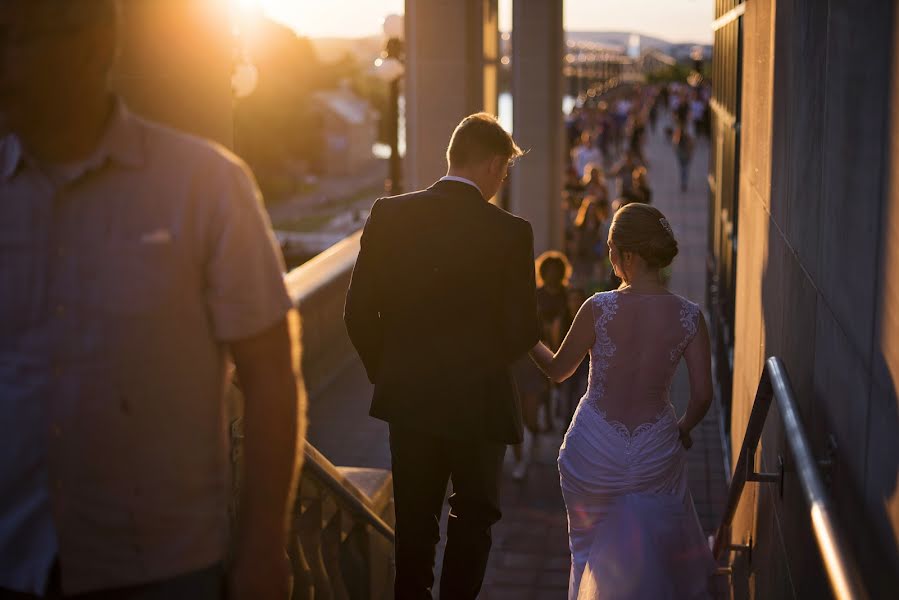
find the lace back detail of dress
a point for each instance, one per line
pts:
(605, 306)
(689, 318)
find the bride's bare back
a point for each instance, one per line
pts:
(639, 341)
(635, 342)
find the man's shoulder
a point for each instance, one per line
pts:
(498, 217)
(186, 150)
(508, 221)
(388, 203)
(386, 207)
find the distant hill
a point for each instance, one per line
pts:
(614, 39)
(619, 40)
(366, 50)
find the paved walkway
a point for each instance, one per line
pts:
(530, 557)
(333, 195)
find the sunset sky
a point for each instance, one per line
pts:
(674, 20)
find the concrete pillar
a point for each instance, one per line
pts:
(175, 64)
(449, 47)
(537, 122)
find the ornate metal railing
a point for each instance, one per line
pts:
(341, 544)
(839, 564)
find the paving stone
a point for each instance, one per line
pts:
(514, 560)
(507, 593)
(559, 563)
(519, 577)
(553, 579)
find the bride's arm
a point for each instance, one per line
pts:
(699, 365)
(580, 338)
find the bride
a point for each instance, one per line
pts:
(632, 526)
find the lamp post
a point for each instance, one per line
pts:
(697, 55)
(389, 68)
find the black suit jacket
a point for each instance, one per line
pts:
(441, 302)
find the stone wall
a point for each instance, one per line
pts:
(318, 289)
(818, 278)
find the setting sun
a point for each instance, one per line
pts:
(338, 18)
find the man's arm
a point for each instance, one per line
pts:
(561, 365)
(247, 303)
(274, 424)
(360, 313)
(520, 325)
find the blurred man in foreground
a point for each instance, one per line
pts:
(133, 260)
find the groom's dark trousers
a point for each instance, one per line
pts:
(422, 466)
(441, 302)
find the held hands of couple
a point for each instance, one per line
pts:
(684, 435)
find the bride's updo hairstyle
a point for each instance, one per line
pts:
(644, 230)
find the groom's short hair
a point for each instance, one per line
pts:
(477, 138)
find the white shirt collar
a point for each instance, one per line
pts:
(462, 180)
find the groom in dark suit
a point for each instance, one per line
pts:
(441, 302)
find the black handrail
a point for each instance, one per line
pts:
(842, 571)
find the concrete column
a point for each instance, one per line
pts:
(446, 79)
(175, 64)
(537, 123)
(491, 56)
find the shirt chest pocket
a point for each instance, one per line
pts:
(133, 278)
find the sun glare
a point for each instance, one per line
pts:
(360, 18)
(244, 6)
(336, 18)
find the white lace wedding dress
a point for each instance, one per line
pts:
(633, 529)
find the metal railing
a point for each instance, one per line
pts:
(332, 553)
(839, 564)
(316, 466)
(341, 545)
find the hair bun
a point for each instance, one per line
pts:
(644, 229)
(660, 251)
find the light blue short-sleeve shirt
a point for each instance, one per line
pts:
(122, 280)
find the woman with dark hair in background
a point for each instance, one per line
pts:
(553, 273)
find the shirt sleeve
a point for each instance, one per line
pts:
(245, 291)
